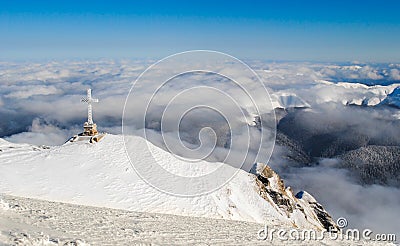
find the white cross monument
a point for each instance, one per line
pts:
(90, 128)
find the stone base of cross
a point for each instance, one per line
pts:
(89, 129)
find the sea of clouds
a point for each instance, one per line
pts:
(40, 104)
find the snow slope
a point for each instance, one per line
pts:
(100, 175)
(393, 99)
(38, 222)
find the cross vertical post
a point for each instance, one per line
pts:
(90, 128)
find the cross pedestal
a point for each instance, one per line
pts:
(89, 130)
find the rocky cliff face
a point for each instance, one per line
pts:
(301, 209)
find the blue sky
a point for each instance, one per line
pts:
(273, 30)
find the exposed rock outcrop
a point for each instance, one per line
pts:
(302, 209)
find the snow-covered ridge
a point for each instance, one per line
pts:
(345, 93)
(342, 92)
(350, 67)
(393, 99)
(4, 143)
(100, 175)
